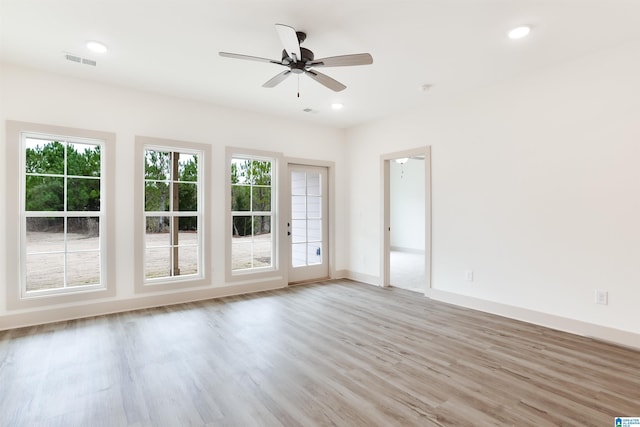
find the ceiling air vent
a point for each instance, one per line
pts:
(79, 60)
(73, 58)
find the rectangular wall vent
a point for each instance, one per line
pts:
(88, 61)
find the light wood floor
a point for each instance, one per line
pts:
(337, 353)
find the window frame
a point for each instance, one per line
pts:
(173, 282)
(254, 273)
(17, 296)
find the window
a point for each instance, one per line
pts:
(59, 201)
(252, 206)
(172, 214)
(61, 217)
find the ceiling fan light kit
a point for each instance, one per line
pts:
(299, 60)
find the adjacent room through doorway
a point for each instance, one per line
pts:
(407, 214)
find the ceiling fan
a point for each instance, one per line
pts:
(299, 60)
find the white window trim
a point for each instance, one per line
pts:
(204, 275)
(17, 297)
(259, 273)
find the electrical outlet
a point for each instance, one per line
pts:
(602, 297)
(468, 276)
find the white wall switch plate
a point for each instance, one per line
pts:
(602, 297)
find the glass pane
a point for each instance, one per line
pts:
(188, 230)
(240, 198)
(298, 230)
(240, 171)
(314, 230)
(83, 234)
(298, 183)
(262, 226)
(158, 231)
(157, 165)
(187, 260)
(45, 157)
(313, 184)
(261, 172)
(187, 167)
(83, 268)
(45, 272)
(45, 234)
(261, 201)
(241, 227)
(262, 253)
(299, 254)
(83, 194)
(314, 207)
(187, 195)
(298, 207)
(314, 254)
(44, 193)
(83, 159)
(156, 196)
(241, 255)
(157, 263)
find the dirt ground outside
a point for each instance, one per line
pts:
(46, 270)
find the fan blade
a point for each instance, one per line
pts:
(289, 40)
(325, 80)
(279, 78)
(343, 60)
(250, 58)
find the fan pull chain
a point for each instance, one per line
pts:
(298, 85)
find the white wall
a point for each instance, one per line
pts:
(406, 199)
(535, 187)
(34, 96)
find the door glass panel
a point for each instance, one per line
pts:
(298, 207)
(298, 231)
(313, 184)
(306, 218)
(314, 230)
(298, 183)
(314, 207)
(299, 254)
(314, 254)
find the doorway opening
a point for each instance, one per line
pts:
(406, 200)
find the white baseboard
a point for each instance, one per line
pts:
(59, 314)
(407, 250)
(340, 274)
(577, 327)
(364, 278)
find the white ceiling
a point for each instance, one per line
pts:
(171, 46)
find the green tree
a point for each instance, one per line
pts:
(45, 168)
(251, 192)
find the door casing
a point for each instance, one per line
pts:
(385, 236)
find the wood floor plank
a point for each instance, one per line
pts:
(336, 353)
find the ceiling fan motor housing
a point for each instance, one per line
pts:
(298, 67)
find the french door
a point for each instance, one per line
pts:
(307, 228)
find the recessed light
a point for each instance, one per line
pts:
(519, 32)
(337, 106)
(97, 47)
